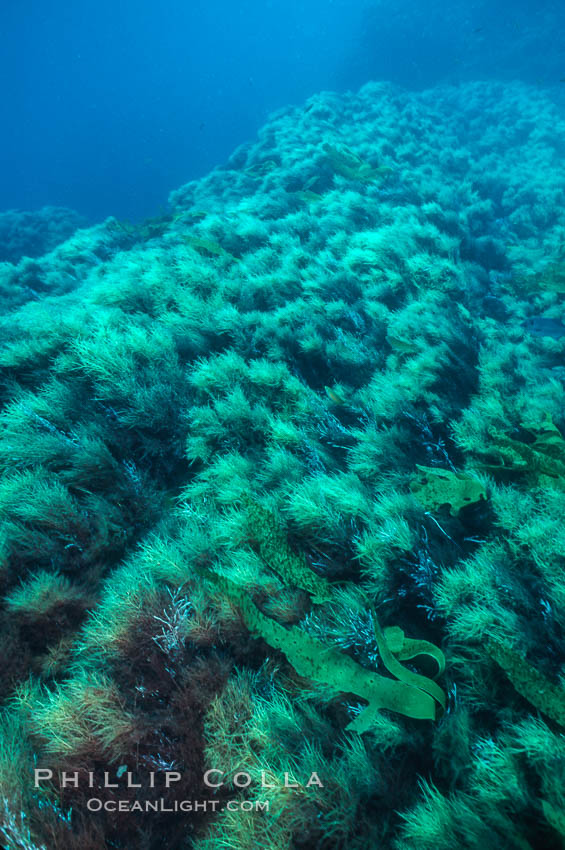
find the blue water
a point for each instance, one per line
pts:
(107, 105)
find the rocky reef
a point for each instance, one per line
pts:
(282, 495)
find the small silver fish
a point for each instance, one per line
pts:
(542, 326)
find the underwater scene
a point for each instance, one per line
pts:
(282, 432)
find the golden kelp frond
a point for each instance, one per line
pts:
(345, 162)
(334, 396)
(308, 196)
(208, 247)
(529, 682)
(150, 228)
(195, 215)
(261, 169)
(544, 458)
(405, 649)
(409, 694)
(435, 487)
(273, 547)
(550, 279)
